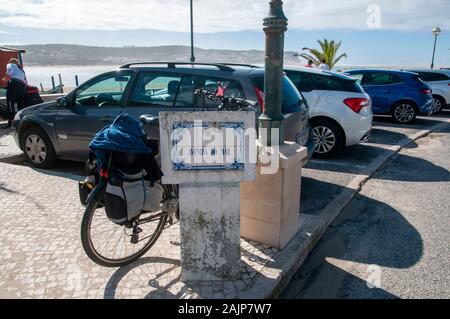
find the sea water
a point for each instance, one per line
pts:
(38, 75)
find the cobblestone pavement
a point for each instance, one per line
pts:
(41, 254)
(8, 147)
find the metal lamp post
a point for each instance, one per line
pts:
(275, 25)
(436, 32)
(192, 33)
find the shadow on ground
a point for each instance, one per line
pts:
(316, 195)
(360, 157)
(414, 169)
(420, 123)
(387, 137)
(160, 278)
(4, 132)
(146, 274)
(368, 232)
(67, 169)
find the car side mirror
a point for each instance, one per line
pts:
(62, 102)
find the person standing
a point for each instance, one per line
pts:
(16, 90)
(310, 64)
(324, 65)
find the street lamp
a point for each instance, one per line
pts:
(192, 33)
(436, 31)
(275, 25)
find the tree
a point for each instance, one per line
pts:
(329, 53)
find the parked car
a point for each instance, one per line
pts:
(63, 129)
(439, 81)
(400, 94)
(340, 111)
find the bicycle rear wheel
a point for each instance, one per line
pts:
(111, 245)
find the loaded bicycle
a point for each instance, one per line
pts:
(127, 206)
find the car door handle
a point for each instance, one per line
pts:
(107, 119)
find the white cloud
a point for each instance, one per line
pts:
(219, 15)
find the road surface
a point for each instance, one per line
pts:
(393, 239)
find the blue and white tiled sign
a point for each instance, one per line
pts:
(208, 146)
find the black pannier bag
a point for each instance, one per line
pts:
(128, 195)
(124, 152)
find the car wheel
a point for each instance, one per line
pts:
(404, 112)
(38, 148)
(438, 104)
(328, 138)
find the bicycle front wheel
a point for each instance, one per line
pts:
(111, 245)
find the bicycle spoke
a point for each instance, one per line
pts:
(112, 245)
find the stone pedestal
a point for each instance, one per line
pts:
(270, 205)
(210, 231)
(209, 191)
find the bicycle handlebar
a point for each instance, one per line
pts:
(227, 103)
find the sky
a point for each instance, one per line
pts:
(383, 32)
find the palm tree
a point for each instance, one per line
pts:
(329, 53)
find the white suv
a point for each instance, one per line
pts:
(340, 111)
(439, 81)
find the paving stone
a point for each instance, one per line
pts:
(41, 249)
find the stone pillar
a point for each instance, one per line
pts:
(210, 231)
(209, 192)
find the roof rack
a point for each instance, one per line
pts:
(221, 67)
(243, 64)
(12, 49)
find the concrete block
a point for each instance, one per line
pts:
(270, 205)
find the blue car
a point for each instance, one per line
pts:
(400, 94)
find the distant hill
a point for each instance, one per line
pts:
(63, 54)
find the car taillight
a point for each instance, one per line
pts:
(426, 91)
(356, 104)
(260, 96)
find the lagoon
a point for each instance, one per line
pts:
(42, 74)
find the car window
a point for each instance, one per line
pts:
(301, 80)
(292, 100)
(334, 83)
(357, 76)
(230, 88)
(381, 79)
(105, 91)
(432, 77)
(154, 89)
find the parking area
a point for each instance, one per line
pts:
(41, 214)
(324, 179)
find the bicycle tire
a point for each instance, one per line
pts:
(93, 254)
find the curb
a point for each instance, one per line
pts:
(274, 278)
